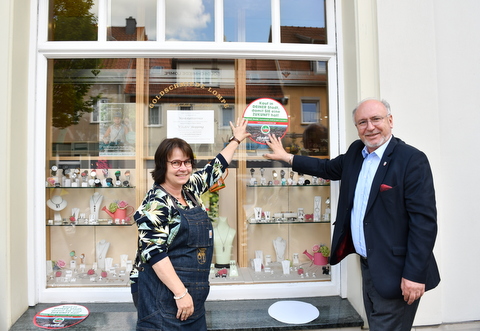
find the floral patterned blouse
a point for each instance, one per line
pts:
(158, 220)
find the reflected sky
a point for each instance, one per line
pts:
(193, 20)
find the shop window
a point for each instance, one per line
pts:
(285, 217)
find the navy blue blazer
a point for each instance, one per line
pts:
(400, 221)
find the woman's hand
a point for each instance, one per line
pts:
(240, 129)
(239, 132)
(185, 307)
(279, 152)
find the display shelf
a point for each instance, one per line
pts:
(105, 224)
(274, 274)
(119, 277)
(287, 186)
(285, 222)
(90, 187)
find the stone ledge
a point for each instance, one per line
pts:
(234, 315)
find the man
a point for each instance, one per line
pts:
(386, 214)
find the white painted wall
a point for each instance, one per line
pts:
(13, 155)
(429, 54)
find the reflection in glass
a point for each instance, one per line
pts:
(87, 95)
(302, 21)
(189, 20)
(82, 92)
(132, 20)
(73, 20)
(247, 20)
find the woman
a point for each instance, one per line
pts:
(175, 246)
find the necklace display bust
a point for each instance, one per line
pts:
(57, 204)
(95, 203)
(223, 236)
(280, 245)
(102, 249)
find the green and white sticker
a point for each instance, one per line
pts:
(266, 116)
(60, 317)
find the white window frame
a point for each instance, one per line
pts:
(94, 114)
(42, 51)
(221, 119)
(305, 119)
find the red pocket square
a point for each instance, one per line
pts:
(385, 187)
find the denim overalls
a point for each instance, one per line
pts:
(191, 254)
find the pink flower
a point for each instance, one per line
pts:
(122, 204)
(316, 248)
(61, 264)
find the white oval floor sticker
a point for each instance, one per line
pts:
(293, 312)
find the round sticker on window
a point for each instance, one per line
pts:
(266, 116)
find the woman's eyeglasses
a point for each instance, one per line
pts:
(178, 163)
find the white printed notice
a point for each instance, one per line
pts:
(266, 116)
(193, 126)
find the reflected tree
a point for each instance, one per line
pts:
(72, 21)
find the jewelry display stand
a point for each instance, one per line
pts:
(223, 236)
(56, 203)
(84, 227)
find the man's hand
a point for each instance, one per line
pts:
(279, 152)
(411, 291)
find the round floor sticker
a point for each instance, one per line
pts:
(266, 116)
(60, 317)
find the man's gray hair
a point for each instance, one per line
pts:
(383, 101)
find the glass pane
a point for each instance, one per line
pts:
(71, 20)
(190, 20)
(89, 95)
(247, 20)
(91, 173)
(95, 109)
(303, 21)
(132, 20)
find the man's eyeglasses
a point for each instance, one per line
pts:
(376, 120)
(178, 163)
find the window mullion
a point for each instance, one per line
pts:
(275, 4)
(102, 20)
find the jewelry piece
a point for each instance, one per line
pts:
(224, 240)
(95, 201)
(263, 181)
(181, 296)
(282, 175)
(252, 180)
(275, 176)
(57, 204)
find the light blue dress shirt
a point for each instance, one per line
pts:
(362, 192)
